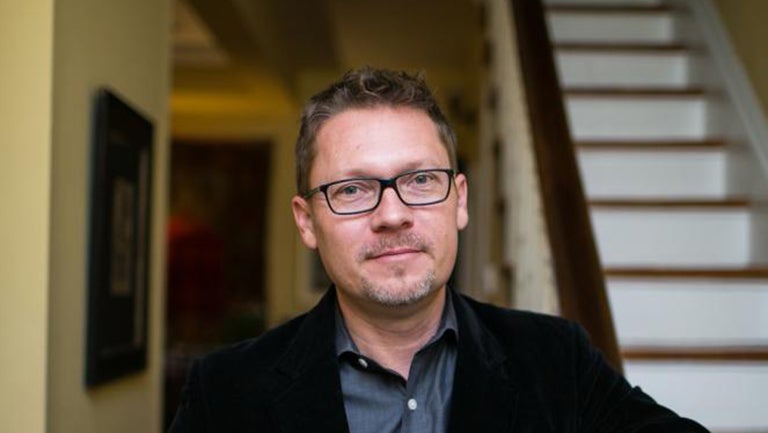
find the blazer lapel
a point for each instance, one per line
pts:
(483, 396)
(312, 400)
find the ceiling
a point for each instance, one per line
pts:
(263, 57)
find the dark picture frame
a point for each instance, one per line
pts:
(118, 262)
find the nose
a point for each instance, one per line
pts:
(392, 213)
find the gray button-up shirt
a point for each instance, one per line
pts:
(379, 400)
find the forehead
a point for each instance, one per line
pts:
(379, 139)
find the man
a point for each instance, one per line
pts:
(391, 348)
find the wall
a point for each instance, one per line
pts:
(25, 132)
(745, 23)
(124, 45)
(54, 54)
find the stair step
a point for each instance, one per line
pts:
(636, 117)
(681, 313)
(611, 25)
(747, 272)
(636, 173)
(659, 203)
(712, 144)
(650, 235)
(604, 69)
(655, 92)
(560, 3)
(721, 353)
(723, 396)
(621, 47)
(597, 8)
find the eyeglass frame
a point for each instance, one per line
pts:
(383, 185)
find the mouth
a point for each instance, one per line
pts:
(401, 248)
(395, 253)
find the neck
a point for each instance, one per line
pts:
(393, 335)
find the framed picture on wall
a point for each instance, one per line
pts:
(119, 240)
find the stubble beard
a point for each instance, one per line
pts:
(395, 294)
(399, 289)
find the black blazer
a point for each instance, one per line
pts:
(515, 372)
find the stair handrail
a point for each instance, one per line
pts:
(580, 280)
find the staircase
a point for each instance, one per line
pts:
(676, 238)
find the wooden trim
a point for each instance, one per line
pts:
(621, 47)
(673, 204)
(578, 273)
(752, 272)
(656, 145)
(720, 353)
(634, 91)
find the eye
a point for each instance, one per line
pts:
(349, 190)
(423, 178)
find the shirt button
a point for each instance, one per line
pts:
(363, 363)
(412, 405)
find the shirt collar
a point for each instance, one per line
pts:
(448, 324)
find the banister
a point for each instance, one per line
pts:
(580, 281)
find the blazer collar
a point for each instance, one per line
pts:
(312, 401)
(483, 393)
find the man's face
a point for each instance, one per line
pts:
(395, 254)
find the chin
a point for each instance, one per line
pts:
(399, 293)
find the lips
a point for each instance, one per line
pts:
(396, 252)
(398, 247)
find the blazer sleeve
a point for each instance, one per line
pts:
(608, 403)
(191, 415)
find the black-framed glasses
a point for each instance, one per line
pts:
(363, 194)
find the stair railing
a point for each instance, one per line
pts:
(580, 281)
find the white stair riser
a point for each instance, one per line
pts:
(611, 28)
(722, 396)
(653, 312)
(596, 69)
(663, 174)
(636, 118)
(638, 237)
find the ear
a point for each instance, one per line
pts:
(462, 212)
(302, 216)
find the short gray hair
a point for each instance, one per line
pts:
(366, 88)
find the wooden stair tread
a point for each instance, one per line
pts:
(607, 9)
(621, 47)
(749, 272)
(634, 91)
(697, 203)
(716, 353)
(661, 144)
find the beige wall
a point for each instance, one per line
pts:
(125, 45)
(745, 21)
(25, 154)
(55, 54)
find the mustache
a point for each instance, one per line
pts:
(405, 240)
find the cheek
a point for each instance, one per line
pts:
(338, 246)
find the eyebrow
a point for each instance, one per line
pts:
(360, 173)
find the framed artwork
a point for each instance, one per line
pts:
(118, 262)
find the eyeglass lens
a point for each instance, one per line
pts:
(415, 188)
